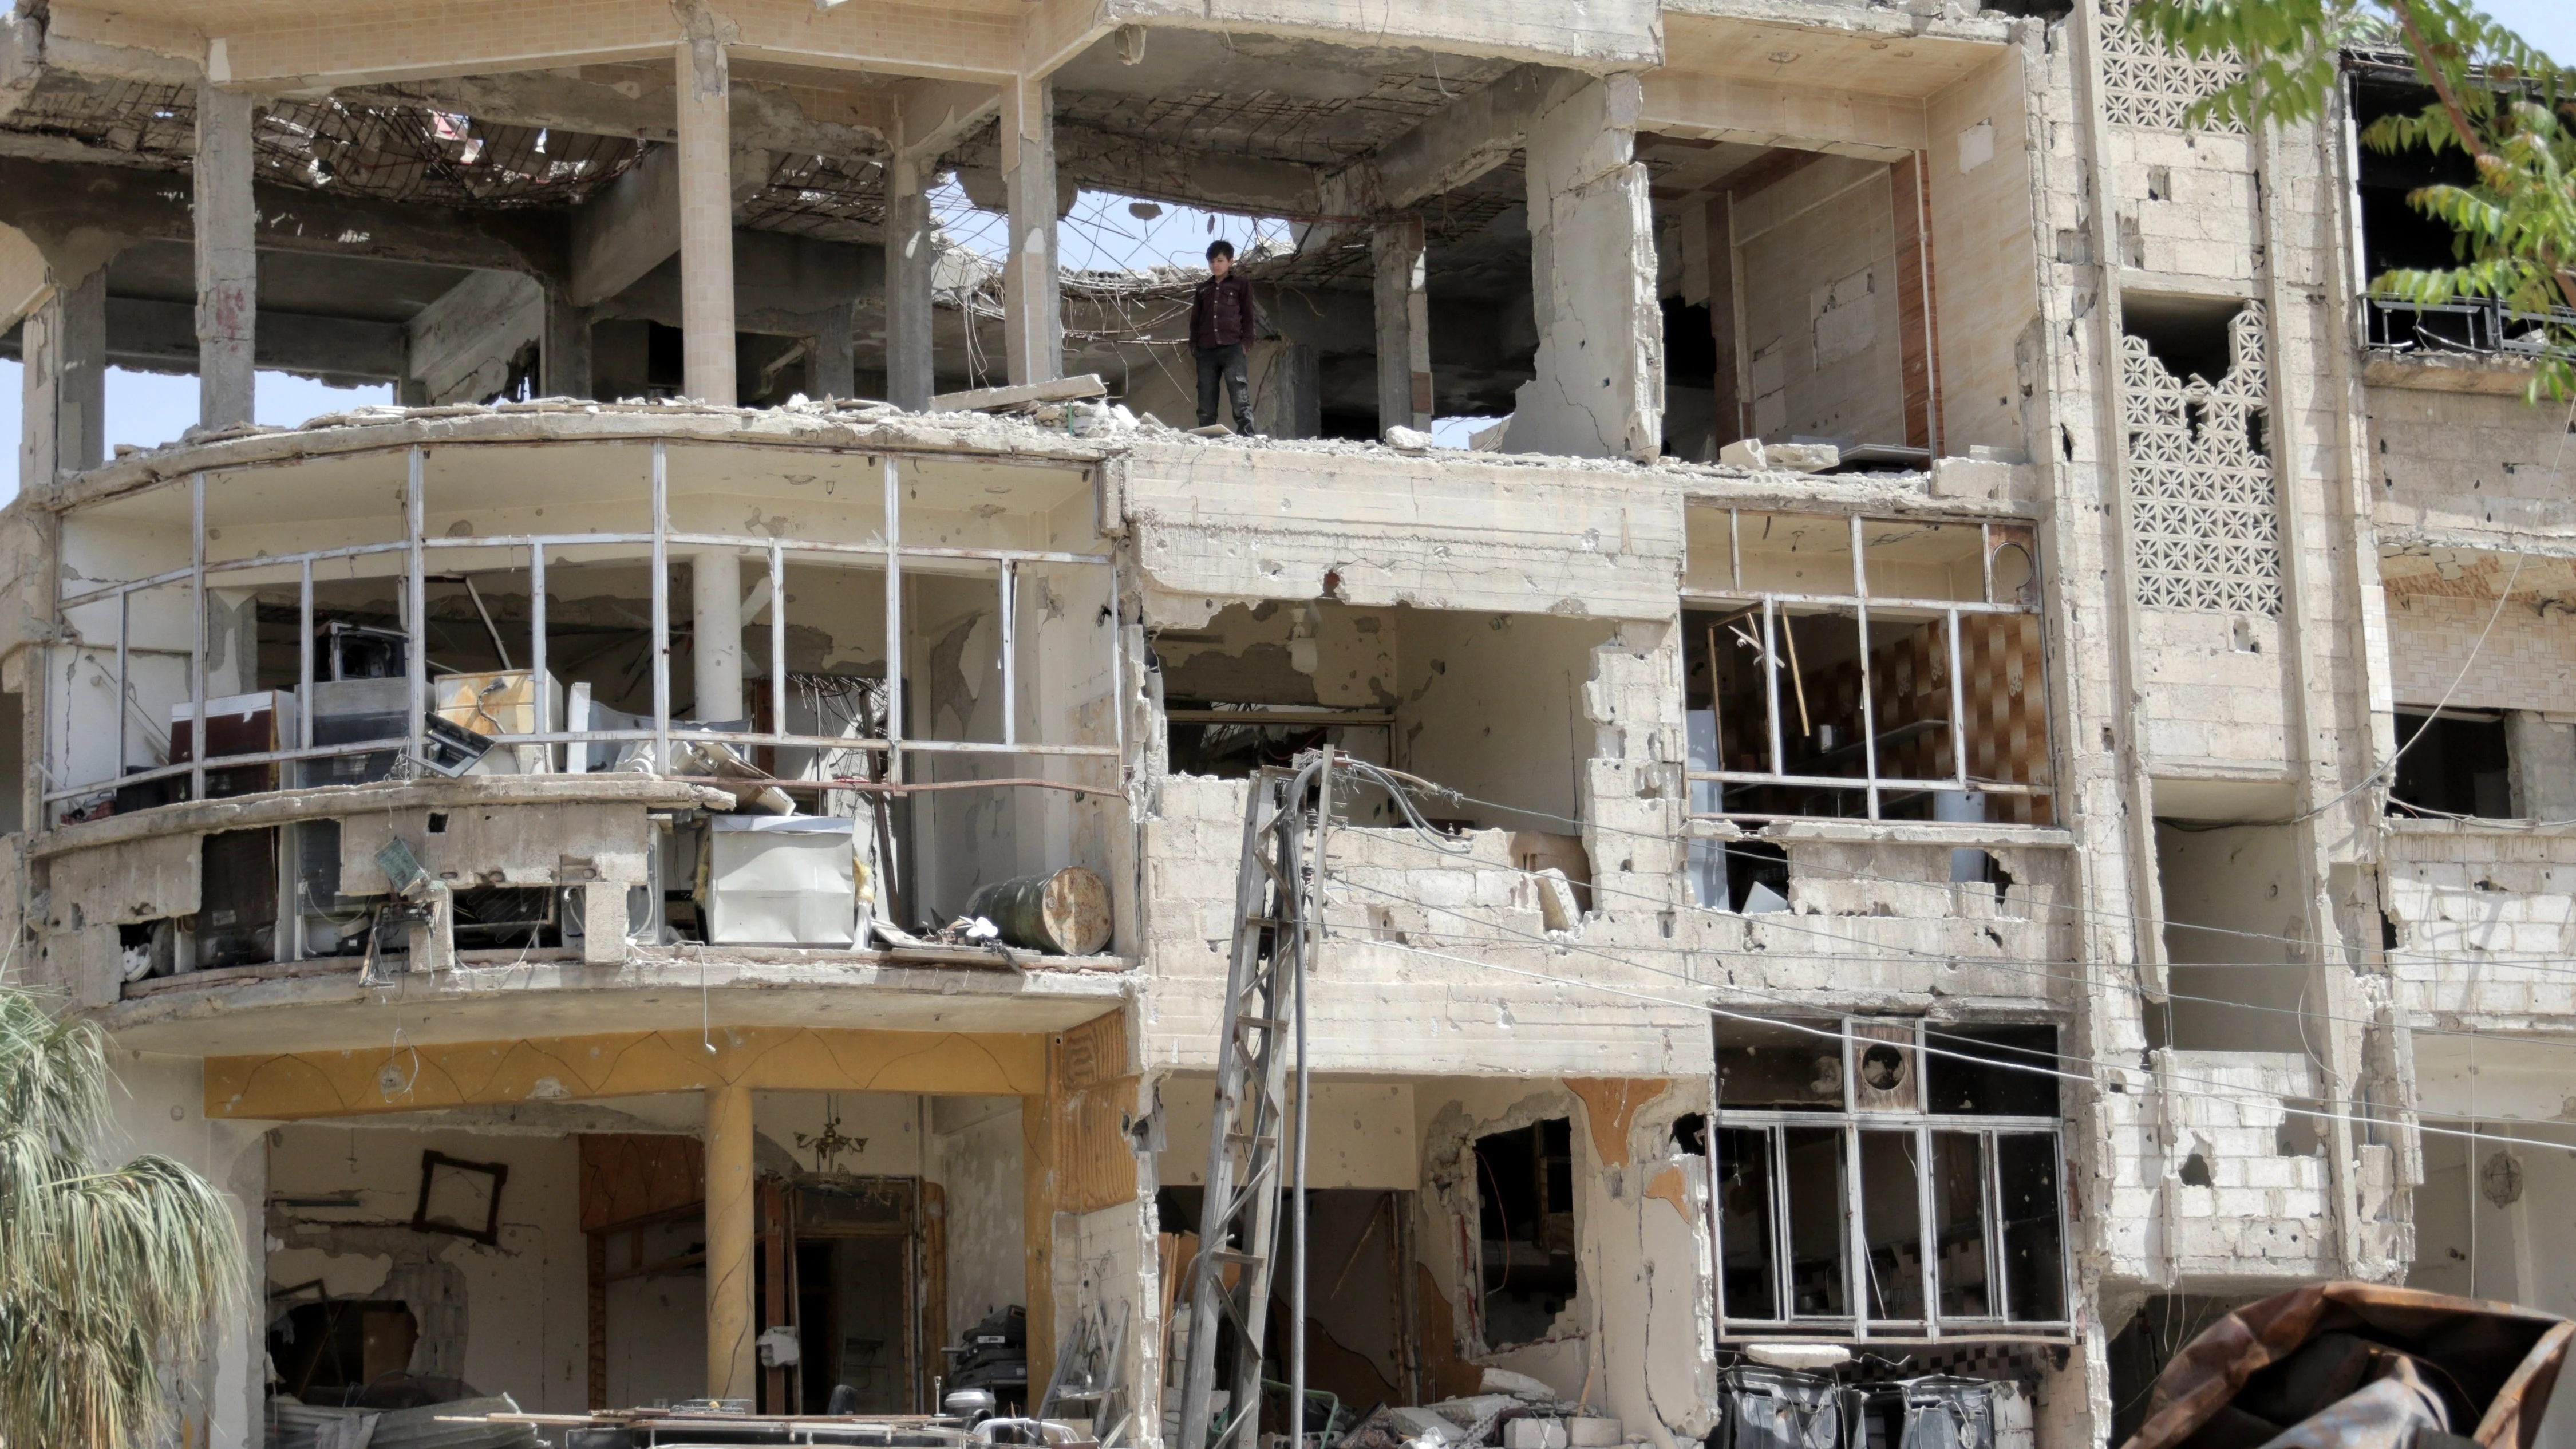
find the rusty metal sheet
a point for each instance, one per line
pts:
(2360, 1366)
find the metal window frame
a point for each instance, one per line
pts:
(1997, 1325)
(414, 548)
(1858, 604)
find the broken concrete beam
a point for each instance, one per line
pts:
(1019, 394)
(1760, 456)
(1970, 478)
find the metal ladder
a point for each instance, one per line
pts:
(1277, 905)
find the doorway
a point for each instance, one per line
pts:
(857, 1292)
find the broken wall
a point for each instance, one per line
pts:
(508, 1317)
(2234, 902)
(1818, 256)
(1984, 238)
(2481, 918)
(977, 1158)
(1637, 1338)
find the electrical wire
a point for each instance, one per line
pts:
(2426, 955)
(2163, 1080)
(2009, 965)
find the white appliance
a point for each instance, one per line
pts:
(781, 881)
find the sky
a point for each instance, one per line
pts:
(2549, 24)
(1102, 232)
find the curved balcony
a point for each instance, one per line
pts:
(584, 695)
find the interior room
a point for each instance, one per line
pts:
(1478, 702)
(567, 1269)
(1814, 688)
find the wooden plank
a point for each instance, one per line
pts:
(1019, 394)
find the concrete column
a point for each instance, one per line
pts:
(1032, 303)
(226, 224)
(834, 371)
(1729, 406)
(1403, 327)
(80, 362)
(40, 383)
(706, 223)
(910, 262)
(1599, 389)
(1288, 399)
(563, 354)
(715, 638)
(733, 1229)
(2541, 765)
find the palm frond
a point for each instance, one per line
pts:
(105, 1274)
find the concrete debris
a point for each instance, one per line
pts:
(1502, 1380)
(297, 1425)
(1408, 440)
(1427, 1426)
(1788, 457)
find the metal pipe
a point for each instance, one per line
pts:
(1310, 931)
(197, 652)
(1010, 671)
(304, 657)
(539, 666)
(416, 608)
(778, 639)
(661, 610)
(124, 693)
(489, 627)
(894, 619)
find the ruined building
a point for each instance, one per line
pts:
(1938, 878)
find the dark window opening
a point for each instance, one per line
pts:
(1991, 1071)
(236, 922)
(2454, 763)
(329, 1352)
(1690, 346)
(1525, 1185)
(2396, 236)
(1336, 423)
(665, 357)
(2393, 233)
(1755, 878)
(1232, 750)
(1779, 1066)
(2140, 1351)
(1690, 1134)
(2191, 336)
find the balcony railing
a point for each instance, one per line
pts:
(2478, 326)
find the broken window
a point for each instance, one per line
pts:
(1525, 1240)
(2396, 235)
(2454, 762)
(328, 1350)
(1476, 701)
(1859, 1192)
(1863, 668)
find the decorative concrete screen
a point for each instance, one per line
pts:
(2203, 517)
